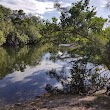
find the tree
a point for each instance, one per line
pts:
(19, 28)
(2, 38)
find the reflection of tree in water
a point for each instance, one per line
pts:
(16, 59)
(82, 80)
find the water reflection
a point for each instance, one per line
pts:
(24, 72)
(12, 59)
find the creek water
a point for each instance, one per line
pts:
(24, 72)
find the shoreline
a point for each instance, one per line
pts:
(97, 101)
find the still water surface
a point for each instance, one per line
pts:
(24, 72)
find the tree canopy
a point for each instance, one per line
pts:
(17, 28)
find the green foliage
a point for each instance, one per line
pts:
(2, 38)
(79, 24)
(82, 81)
(20, 28)
(23, 38)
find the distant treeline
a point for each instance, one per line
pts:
(17, 28)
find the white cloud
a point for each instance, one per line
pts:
(28, 6)
(45, 7)
(103, 3)
(31, 6)
(65, 4)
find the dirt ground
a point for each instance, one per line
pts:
(97, 101)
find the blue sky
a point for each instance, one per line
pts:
(44, 8)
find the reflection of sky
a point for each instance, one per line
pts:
(20, 86)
